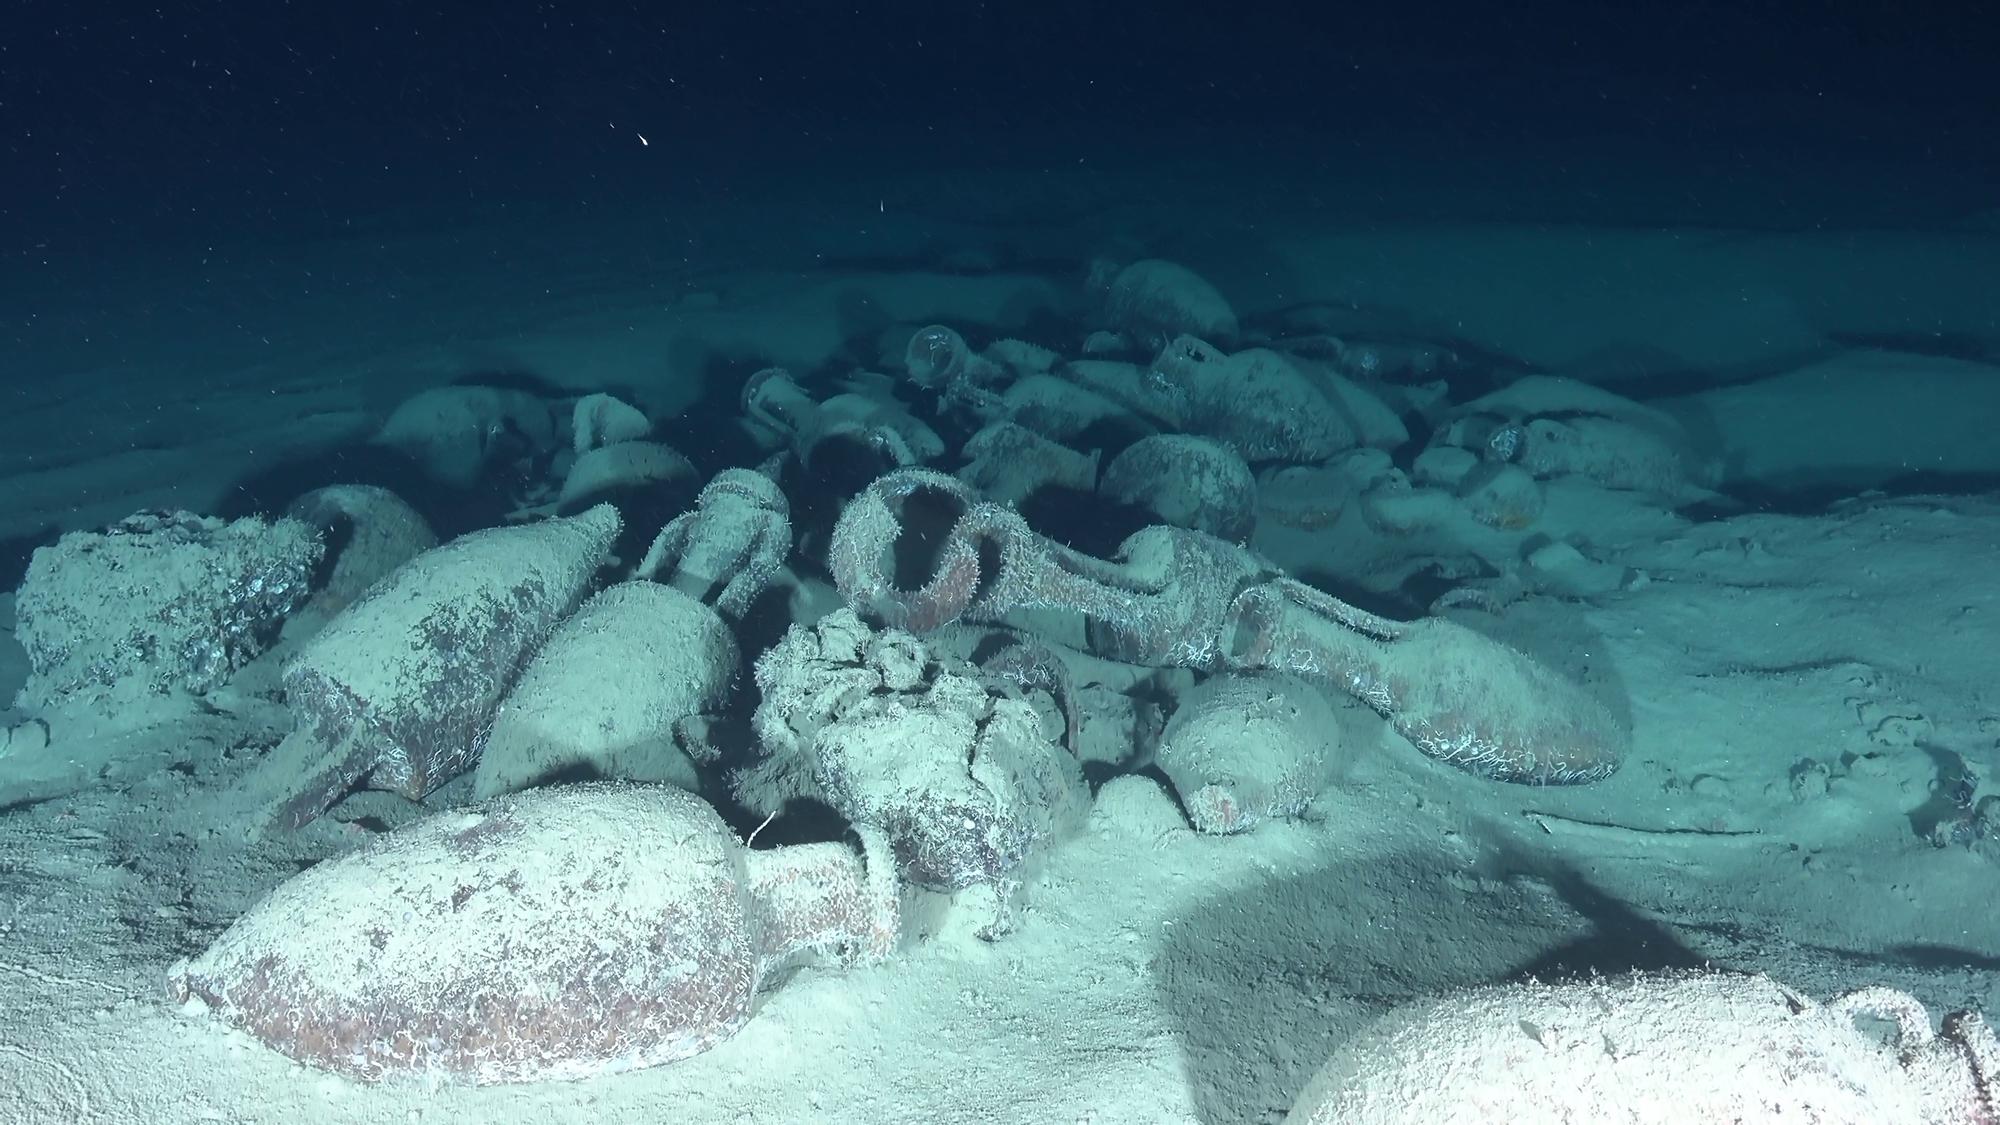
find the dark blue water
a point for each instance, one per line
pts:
(205, 120)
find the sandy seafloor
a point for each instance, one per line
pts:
(1849, 377)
